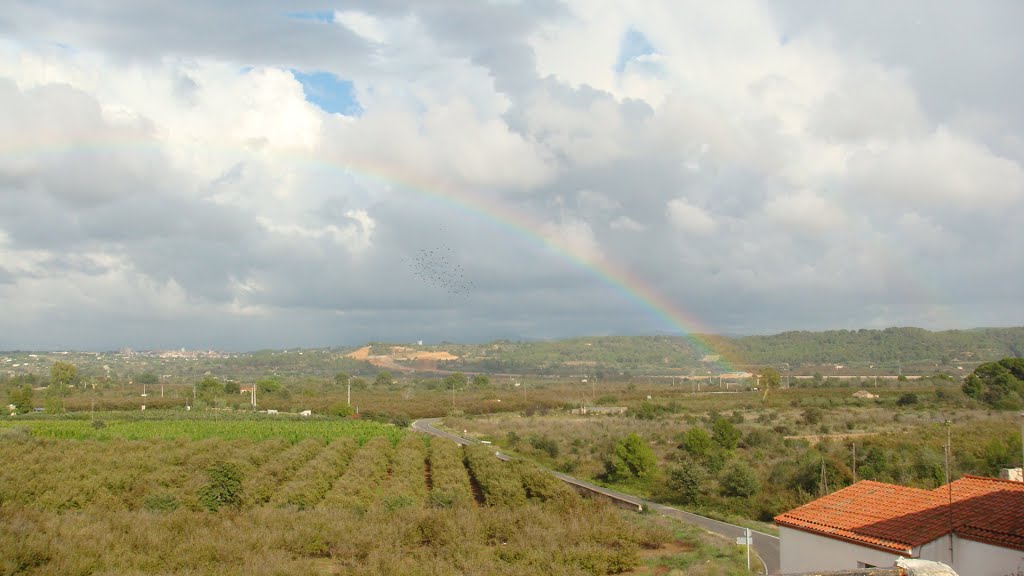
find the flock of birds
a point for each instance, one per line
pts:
(438, 267)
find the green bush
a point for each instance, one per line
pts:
(631, 459)
(740, 480)
(224, 488)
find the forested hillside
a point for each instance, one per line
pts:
(882, 346)
(889, 348)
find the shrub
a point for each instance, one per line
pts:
(725, 434)
(907, 399)
(224, 487)
(631, 458)
(697, 442)
(546, 445)
(739, 480)
(688, 482)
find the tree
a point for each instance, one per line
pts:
(383, 379)
(725, 434)
(21, 398)
(55, 398)
(231, 387)
(147, 378)
(269, 385)
(769, 380)
(631, 458)
(63, 374)
(998, 384)
(697, 442)
(209, 388)
(739, 479)
(688, 482)
(341, 379)
(481, 381)
(456, 380)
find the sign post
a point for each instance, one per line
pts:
(746, 540)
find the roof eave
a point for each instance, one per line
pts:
(909, 551)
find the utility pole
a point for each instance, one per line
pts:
(854, 462)
(1022, 446)
(348, 388)
(824, 479)
(949, 490)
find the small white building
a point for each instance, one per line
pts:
(975, 525)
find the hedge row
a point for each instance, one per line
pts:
(359, 487)
(449, 479)
(498, 482)
(407, 485)
(260, 487)
(313, 481)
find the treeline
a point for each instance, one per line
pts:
(889, 346)
(626, 355)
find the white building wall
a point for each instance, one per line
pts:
(977, 559)
(805, 552)
(938, 551)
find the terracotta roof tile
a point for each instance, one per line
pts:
(899, 518)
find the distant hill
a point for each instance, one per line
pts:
(907, 349)
(892, 345)
(841, 352)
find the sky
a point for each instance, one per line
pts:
(203, 175)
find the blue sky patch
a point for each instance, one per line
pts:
(330, 93)
(318, 16)
(634, 45)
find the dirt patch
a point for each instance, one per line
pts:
(649, 557)
(815, 438)
(422, 358)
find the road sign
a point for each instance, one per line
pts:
(746, 540)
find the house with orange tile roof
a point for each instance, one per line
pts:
(975, 525)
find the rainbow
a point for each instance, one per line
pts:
(614, 275)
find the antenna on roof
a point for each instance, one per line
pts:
(824, 478)
(949, 489)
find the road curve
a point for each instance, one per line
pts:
(766, 545)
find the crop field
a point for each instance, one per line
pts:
(248, 428)
(354, 504)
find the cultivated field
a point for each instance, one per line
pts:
(326, 497)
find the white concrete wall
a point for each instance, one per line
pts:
(977, 559)
(937, 550)
(805, 552)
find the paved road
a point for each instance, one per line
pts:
(766, 545)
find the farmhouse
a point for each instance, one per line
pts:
(975, 525)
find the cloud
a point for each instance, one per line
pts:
(689, 218)
(172, 178)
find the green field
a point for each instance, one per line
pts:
(250, 428)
